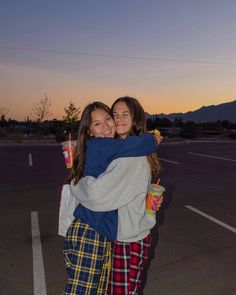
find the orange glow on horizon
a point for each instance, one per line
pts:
(22, 109)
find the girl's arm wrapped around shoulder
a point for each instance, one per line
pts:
(123, 181)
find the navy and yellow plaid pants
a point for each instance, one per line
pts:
(87, 256)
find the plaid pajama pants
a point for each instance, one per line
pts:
(87, 256)
(128, 260)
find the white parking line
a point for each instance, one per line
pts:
(30, 160)
(168, 161)
(38, 266)
(233, 229)
(213, 157)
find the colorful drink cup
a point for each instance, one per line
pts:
(154, 198)
(68, 148)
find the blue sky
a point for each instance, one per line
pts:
(173, 56)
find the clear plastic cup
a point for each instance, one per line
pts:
(68, 148)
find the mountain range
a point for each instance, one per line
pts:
(211, 113)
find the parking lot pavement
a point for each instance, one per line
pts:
(191, 254)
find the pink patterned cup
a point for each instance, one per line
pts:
(154, 198)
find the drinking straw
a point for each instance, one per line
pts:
(69, 136)
(158, 181)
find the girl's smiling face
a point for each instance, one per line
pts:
(123, 119)
(102, 124)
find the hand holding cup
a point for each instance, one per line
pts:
(68, 148)
(157, 135)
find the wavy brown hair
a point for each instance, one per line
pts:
(139, 126)
(83, 137)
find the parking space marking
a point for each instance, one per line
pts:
(38, 266)
(164, 160)
(233, 229)
(213, 157)
(30, 160)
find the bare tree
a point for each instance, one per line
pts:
(41, 111)
(41, 108)
(3, 112)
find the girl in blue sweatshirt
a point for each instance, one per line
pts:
(87, 248)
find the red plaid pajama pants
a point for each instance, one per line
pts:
(127, 264)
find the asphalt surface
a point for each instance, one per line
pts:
(191, 255)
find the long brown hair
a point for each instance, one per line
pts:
(83, 137)
(139, 126)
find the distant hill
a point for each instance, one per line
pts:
(212, 113)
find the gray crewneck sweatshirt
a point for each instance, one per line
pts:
(122, 186)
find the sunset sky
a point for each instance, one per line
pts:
(173, 55)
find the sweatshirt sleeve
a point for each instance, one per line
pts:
(131, 146)
(123, 181)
